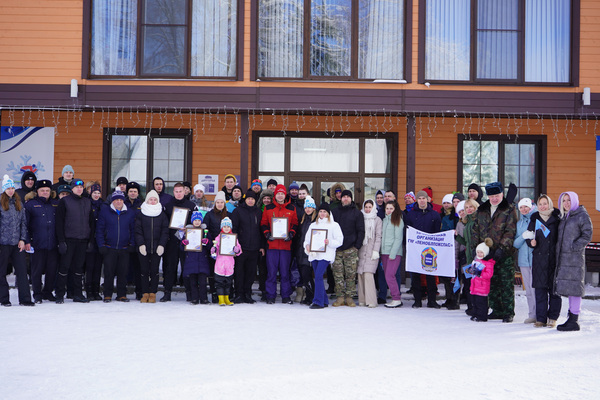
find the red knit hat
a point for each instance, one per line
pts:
(428, 191)
(280, 189)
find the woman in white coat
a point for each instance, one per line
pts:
(320, 260)
(368, 256)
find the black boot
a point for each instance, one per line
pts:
(418, 303)
(166, 297)
(570, 325)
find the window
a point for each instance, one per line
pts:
(522, 163)
(140, 157)
(163, 38)
(341, 39)
(498, 41)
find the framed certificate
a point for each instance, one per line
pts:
(279, 227)
(317, 240)
(227, 243)
(194, 236)
(179, 218)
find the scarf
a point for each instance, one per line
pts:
(546, 214)
(151, 210)
(369, 223)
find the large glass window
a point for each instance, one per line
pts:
(312, 154)
(163, 38)
(346, 39)
(517, 41)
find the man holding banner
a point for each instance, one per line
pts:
(424, 254)
(497, 219)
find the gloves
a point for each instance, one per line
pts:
(205, 241)
(62, 248)
(89, 248)
(103, 250)
(289, 237)
(498, 254)
(269, 237)
(374, 255)
(131, 248)
(142, 249)
(160, 250)
(237, 250)
(185, 242)
(528, 235)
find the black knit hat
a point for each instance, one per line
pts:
(186, 184)
(251, 193)
(43, 183)
(63, 188)
(122, 181)
(458, 196)
(347, 193)
(271, 182)
(324, 206)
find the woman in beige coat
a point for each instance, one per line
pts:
(368, 256)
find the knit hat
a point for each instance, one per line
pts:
(220, 196)
(43, 183)
(122, 181)
(133, 185)
(63, 188)
(152, 193)
(229, 176)
(77, 182)
(525, 202)
(324, 206)
(271, 182)
(447, 198)
(280, 189)
(7, 183)
(294, 185)
(117, 194)
(346, 193)
(256, 182)
(67, 168)
(187, 184)
(96, 188)
(428, 191)
(250, 193)
(458, 196)
(199, 187)
(485, 246)
(422, 193)
(309, 202)
(493, 188)
(409, 194)
(460, 206)
(196, 215)
(226, 222)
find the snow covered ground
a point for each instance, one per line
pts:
(179, 351)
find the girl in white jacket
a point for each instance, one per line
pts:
(320, 260)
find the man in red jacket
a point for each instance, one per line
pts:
(279, 254)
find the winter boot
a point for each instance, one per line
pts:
(221, 300)
(145, 298)
(418, 303)
(350, 302)
(299, 294)
(570, 325)
(166, 297)
(340, 301)
(227, 301)
(551, 323)
(152, 298)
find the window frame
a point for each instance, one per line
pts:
(163, 134)
(540, 141)
(86, 71)
(407, 56)
(473, 80)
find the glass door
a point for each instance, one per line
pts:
(319, 185)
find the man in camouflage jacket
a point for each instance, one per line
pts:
(497, 219)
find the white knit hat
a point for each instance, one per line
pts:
(152, 193)
(460, 206)
(199, 187)
(7, 183)
(525, 202)
(485, 246)
(447, 198)
(220, 196)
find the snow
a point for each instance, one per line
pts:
(175, 350)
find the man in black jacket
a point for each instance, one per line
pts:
(75, 224)
(246, 223)
(173, 253)
(28, 181)
(344, 267)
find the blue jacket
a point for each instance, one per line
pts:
(13, 225)
(427, 220)
(525, 252)
(115, 230)
(41, 220)
(196, 262)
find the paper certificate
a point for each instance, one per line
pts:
(227, 243)
(317, 240)
(279, 227)
(194, 236)
(179, 218)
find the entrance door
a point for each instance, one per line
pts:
(318, 186)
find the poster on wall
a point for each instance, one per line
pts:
(598, 173)
(26, 149)
(210, 182)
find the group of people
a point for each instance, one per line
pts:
(71, 235)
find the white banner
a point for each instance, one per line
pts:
(430, 253)
(26, 149)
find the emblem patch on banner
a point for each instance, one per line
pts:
(429, 259)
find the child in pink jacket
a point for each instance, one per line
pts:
(224, 264)
(482, 271)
